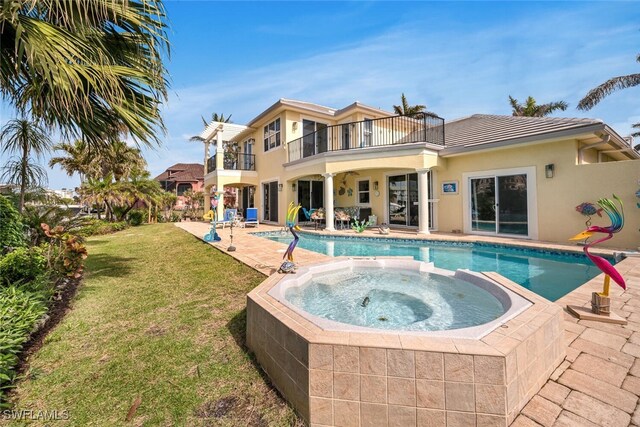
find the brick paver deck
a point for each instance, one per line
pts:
(598, 384)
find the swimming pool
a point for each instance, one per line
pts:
(548, 273)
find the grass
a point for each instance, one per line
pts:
(160, 316)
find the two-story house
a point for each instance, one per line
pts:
(482, 174)
(180, 178)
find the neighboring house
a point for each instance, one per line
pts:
(182, 177)
(506, 176)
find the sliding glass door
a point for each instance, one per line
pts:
(499, 204)
(403, 200)
(310, 196)
(315, 138)
(270, 201)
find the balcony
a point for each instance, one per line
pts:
(234, 161)
(387, 131)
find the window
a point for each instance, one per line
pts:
(182, 188)
(364, 195)
(272, 135)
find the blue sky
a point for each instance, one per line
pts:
(458, 58)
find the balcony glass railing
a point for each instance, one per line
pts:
(234, 161)
(421, 127)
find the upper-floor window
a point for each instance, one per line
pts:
(182, 188)
(272, 135)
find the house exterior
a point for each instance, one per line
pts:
(518, 177)
(180, 178)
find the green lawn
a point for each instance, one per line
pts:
(160, 315)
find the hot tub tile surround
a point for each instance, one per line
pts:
(384, 378)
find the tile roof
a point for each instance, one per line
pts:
(183, 172)
(480, 129)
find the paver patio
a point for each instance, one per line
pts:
(598, 384)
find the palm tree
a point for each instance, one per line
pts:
(76, 158)
(215, 117)
(531, 109)
(598, 93)
(86, 67)
(23, 137)
(408, 110)
(121, 160)
(139, 188)
(102, 192)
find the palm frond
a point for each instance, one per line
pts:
(86, 67)
(598, 93)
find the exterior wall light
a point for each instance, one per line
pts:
(375, 185)
(548, 170)
(293, 187)
(294, 126)
(280, 186)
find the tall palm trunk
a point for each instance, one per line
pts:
(23, 174)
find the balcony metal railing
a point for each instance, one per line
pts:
(234, 161)
(421, 127)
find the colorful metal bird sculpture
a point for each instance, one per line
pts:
(292, 215)
(212, 216)
(616, 215)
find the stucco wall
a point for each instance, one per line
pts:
(557, 197)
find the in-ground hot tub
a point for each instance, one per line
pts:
(399, 342)
(399, 295)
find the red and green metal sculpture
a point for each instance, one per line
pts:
(288, 266)
(616, 215)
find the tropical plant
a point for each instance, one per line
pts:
(20, 311)
(11, 227)
(22, 138)
(77, 158)
(404, 109)
(21, 266)
(605, 89)
(121, 160)
(65, 252)
(139, 188)
(101, 192)
(359, 227)
(86, 67)
(215, 117)
(531, 109)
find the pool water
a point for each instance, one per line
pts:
(547, 273)
(396, 299)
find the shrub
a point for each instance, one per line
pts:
(66, 252)
(20, 312)
(11, 227)
(136, 217)
(22, 266)
(98, 227)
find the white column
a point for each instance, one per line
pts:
(328, 201)
(206, 157)
(219, 151)
(423, 201)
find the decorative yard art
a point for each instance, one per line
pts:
(600, 301)
(212, 216)
(288, 266)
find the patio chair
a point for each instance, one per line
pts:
(251, 217)
(307, 215)
(229, 216)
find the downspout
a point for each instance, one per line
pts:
(604, 140)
